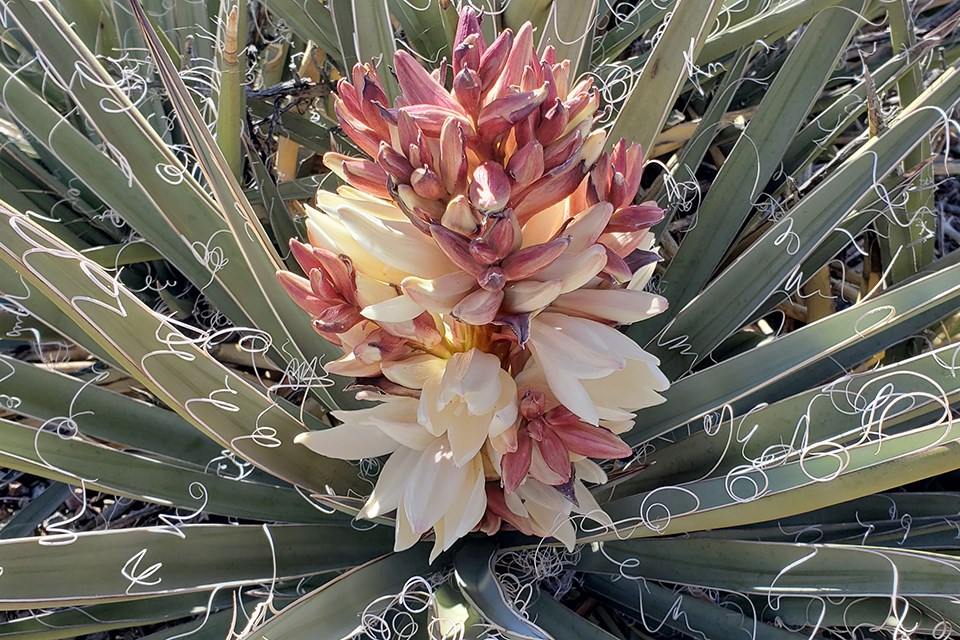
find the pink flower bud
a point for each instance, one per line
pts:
(562, 150)
(427, 184)
(553, 123)
(490, 188)
(502, 233)
(468, 26)
(479, 307)
(466, 86)
(527, 262)
(457, 248)
(526, 164)
(636, 217)
(547, 191)
(466, 55)
(492, 279)
(483, 252)
(394, 163)
(617, 268)
(504, 112)
(418, 86)
(587, 440)
(521, 55)
(300, 290)
(532, 404)
(459, 216)
(516, 465)
(555, 454)
(494, 59)
(453, 156)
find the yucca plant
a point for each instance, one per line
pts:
(163, 162)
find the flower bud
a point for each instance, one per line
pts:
(494, 59)
(527, 262)
(459, 216)
(526, 164)
(490, 188)
(427, 184)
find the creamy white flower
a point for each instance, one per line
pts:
(593, 369)
(472, 400)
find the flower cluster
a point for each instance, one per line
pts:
(473, 269)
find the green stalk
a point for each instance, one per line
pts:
(915, 240)
(230, 100)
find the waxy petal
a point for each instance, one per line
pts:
(398, 309)
(622, 306)
(349, 441)
(439, 295)
(528, 296)
(460, 217)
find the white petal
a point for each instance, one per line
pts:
(589, 506)
(386, 495)
(397, 309)
(398, 244)
(472, 377)
(507, 408)
(466, 432)
(324, 231)
(432, 486)
(590, 471)
(557, 347)
(440, 295)
(406, 537)
(575, 269)
(622, 306)
(370, 291)
(426, 409)
(356, 198)
(527, 296)
(588, 225)
(466, 511)
(515, 504)
(413, 372)
(409, 434)
(349, 442)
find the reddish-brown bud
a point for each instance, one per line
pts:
(494, 59)
(492, 279)
(489, 188)
(478, 308)
(457, 248)
(453, 157)
(418, 86)
(394, 163)
(553, 123)
(507, 110)
(466, 55)
(636, 217)
(527, 262)
(466, 86)
(526, 164)
(427, 184)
